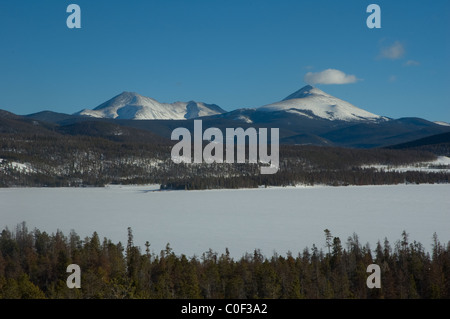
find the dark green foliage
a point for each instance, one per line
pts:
(66, 160)
(33, 265)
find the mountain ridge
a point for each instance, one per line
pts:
(131, 105)
(301, 117)
(312, 102)
(308, 101)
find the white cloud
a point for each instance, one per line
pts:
(393, 52)
(392, 78)
(411, 63)
(329, 76)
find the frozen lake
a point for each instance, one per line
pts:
(272, 219)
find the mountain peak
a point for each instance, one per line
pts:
(128, 93)
(312, 102)
(131, 105)
(305, 91)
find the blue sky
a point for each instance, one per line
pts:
(234, 53)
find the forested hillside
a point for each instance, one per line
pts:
(51, 160)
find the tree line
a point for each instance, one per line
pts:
(81, 160)
(33, 265)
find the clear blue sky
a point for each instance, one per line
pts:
(234, 53)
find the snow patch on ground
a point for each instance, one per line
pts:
(24, 168)
(244, 118)
(440, 165)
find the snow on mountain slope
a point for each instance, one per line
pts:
(310, 101)
(130, 105)
(442, 123)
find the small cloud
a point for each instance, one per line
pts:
(411, 63)
(329, 76)
(309, 67)
(392, 78)
(393, 52)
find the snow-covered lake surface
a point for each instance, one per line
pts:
(272, 219)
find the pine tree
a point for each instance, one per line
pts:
(328, 240)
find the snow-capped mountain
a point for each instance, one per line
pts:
(133, 106)
(308, 116)
(313, 103)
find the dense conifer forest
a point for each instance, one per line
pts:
(80, 160)
(33, 265)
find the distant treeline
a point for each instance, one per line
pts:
(81, 160)
(33, 265)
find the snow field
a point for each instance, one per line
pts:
(270, 219)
